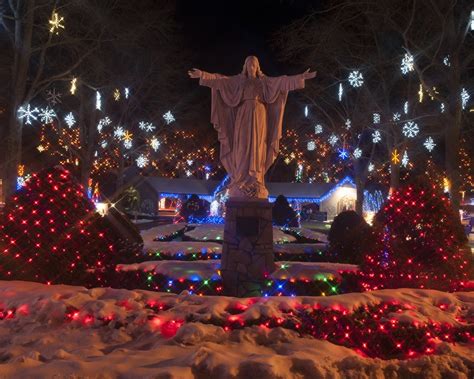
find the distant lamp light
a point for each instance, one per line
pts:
(101, 208)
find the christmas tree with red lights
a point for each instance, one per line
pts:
(421, 243)
(51, 233)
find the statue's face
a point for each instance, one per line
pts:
(252, 66)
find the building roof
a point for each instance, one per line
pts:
(182, 186)
(310, 191)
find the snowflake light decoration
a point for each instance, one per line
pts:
(306, 111)
(73, 87)
(405, 107)
(169, 118)
(318, 129)
(371, 167)
(343, 154)
(376, 118)
(127, 92)
(116, 94)
(104, 144)
(146, 126)
(376, 136)
(25, 112)
(119, 132)
(142, 161)
(405, 159)
(98, 101)
(127, 144)
(154, 144)
(442, 107)
(429, 144)
(410, 129)
(357, 153)
(188, 173)
(189, 162)
(356, 79)
(70, 120)
(408, 64)
(104, 122)
(311, 145)
(56, 23)
(47, 115)
(53, 97)
(348, 124)
(127, 136)
(446, 61)
(395, 157)
(396, 116)
(340, 92)
(464, 98)
(333, 139)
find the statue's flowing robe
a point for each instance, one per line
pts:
(248, 115)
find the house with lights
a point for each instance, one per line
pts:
(324, 201)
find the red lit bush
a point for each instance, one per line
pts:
(420, 243)
(51, 233)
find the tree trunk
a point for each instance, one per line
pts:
(452, 162)
(360, 177)
(452, 135)
(22, 51)
(394, 176)
(360, 185)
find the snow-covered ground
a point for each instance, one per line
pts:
(65, 331)
(215, 232)
(162, 231)
(181, 247)
(200, 270)
(310, 234)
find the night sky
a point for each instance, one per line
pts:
(224, 32)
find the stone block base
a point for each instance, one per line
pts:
(247, 253)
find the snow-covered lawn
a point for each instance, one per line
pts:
(215, 232)
(209, 269)
(66, 331)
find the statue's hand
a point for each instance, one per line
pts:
(309, 74)
(195, 73)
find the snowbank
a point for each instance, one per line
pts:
(72, 331)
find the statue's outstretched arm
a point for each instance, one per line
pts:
(293, 82)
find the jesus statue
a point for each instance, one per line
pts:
(247, 112)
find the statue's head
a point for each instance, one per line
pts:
(252, 67)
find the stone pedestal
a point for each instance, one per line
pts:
(247, 254)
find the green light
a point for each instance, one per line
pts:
(269, 284)
(206, 282)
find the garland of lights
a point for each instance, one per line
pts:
(372, 330)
